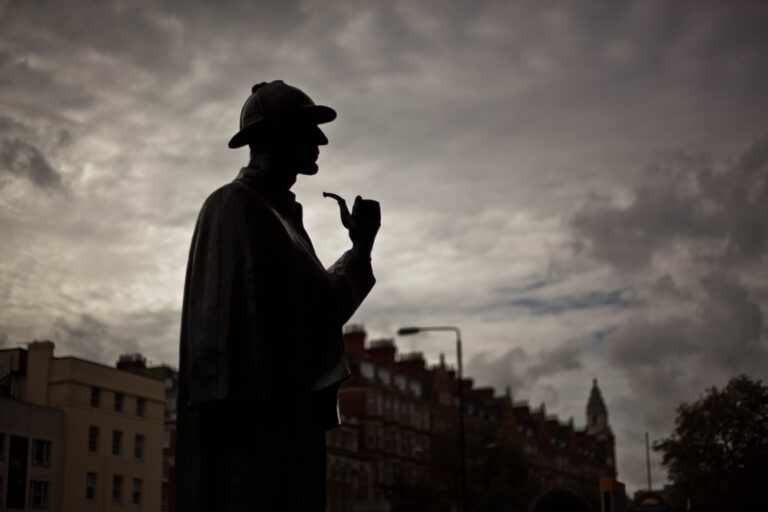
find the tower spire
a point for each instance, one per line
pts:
(597, 412)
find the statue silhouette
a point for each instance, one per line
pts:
(262, 352)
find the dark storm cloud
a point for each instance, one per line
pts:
(18, 75)
(693, 237)
(10, 125)
(103, 340)
(501, 372)
(521, 371)
(685, 201)
(90, 338)
(135, 34)
(22, 159)
(561, 359)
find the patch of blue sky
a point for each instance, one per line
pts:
(560, 305)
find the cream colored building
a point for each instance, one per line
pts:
(107, 453)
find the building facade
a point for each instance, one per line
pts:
(94, 434)
(136, 363)
(408, 416)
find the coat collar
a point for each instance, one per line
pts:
(284, 201)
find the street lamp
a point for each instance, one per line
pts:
(407, 331)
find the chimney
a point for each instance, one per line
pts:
(354, 340)
(412, 364)
(135, 363)
(39, 355)
(484, 394)
(382, 352)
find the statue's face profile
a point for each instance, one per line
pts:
(295, 145)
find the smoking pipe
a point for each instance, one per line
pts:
(343, 210)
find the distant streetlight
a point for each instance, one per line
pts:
(407, 331)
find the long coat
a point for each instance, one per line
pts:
(261, 334)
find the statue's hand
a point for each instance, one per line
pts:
(364, 223)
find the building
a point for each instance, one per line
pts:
(349, 472)
(407, 416)
(31, 455)
(387, 398)
(397, 446)
(77, 435)
(137, 363)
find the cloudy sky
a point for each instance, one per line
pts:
(581, 187)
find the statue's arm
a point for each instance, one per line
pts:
(352, 272)
(353, 276)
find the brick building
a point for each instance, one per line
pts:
(394, 418)
(407, 417)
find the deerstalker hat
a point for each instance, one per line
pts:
(276, 100)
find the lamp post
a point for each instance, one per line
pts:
(407, 331)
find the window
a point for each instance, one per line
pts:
(2, 448)
(95, 397)
(371, 442)
(388, 407)
(41, 452)
(166, 471)
(117, 442)
(164, 500)
(136, 496)
(366, 370)
(170, 405)
(38, 493)
(117, 489)
(166, 438)
(138, 447)
(93, 439)
(388, 476)
(90, 486)
(118, 402)
(141, 406)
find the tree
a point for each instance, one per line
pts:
(717, 455)
(499, 476)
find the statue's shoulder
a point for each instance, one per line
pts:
(233, 194)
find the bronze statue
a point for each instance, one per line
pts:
(262, 352)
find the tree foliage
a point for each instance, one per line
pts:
(717, 455)
(499, 477)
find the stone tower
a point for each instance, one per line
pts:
(597, 413)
